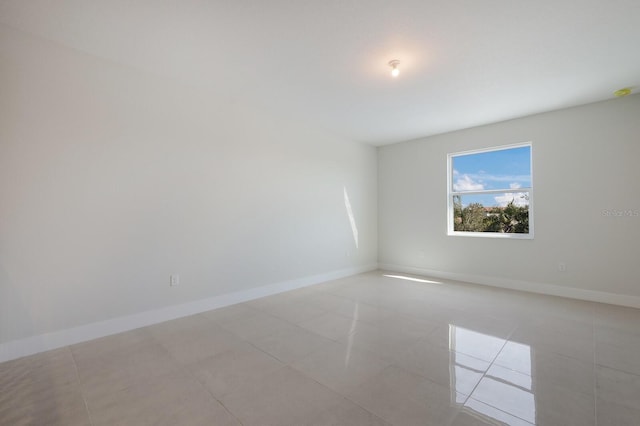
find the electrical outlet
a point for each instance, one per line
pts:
(562, 267)
(174, 280)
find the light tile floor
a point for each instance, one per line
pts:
(372, 349)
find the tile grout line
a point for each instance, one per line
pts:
(215, 399)
(84, 399)
(345, 397)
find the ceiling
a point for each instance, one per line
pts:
(463, 62)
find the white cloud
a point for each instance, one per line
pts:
(515, 185)
(519, 199)
(466, 183)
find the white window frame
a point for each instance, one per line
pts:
(451, 193)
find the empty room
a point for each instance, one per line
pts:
(288, 213)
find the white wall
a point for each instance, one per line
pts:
(112, 179)
(585, 160)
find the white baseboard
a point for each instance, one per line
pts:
(531, 287)
(57, 339)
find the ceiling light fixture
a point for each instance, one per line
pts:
(623, 92)
(394, 67)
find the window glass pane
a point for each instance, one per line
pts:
(497, 212)
(499, 169)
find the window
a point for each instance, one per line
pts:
(490, 192)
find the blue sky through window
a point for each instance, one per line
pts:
(508, 168)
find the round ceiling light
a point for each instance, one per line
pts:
(394, 67)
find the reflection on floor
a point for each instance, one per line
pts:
(373, 349)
